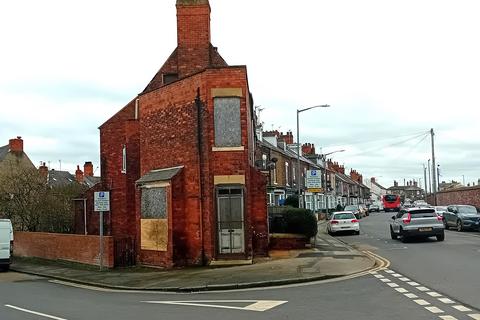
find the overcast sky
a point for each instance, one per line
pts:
(390, 70)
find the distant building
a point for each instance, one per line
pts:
(411, 191)
(377, 191)
(443, 186)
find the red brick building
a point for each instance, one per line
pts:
(178, 159)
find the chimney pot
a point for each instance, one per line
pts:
(79, 175)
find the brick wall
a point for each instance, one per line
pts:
(467, 195)
(68, 247)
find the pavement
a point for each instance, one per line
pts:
(327, 258)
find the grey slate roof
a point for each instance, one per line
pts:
(3, 152)
(159, 175)
(60, 178)
(91, 181)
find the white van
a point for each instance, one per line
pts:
(6, 243)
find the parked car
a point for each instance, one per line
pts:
(374, 208)
(343, 221)
(461, 217)
(6, 243)
(356, 210)
(440, 210)
(364, 209)
(417, 222)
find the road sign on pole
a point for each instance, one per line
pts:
(101, 204)
(314, 179)
(101, 201)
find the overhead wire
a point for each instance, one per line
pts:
(371, 150)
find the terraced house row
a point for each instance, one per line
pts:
(276, 155)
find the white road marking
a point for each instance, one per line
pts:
(421, 302)
(411, 295)
(401, 290)
(446, 300)
(373, 272)
(256, 305)
(393, 285)
(423, 289)
(448, 318)
(461, 308)
(434, 309)
(378, 276)
(434, 294)
(389, 271)
(34, 312)
(396, 275)
(404, 279)
(385, 280)
(413, 283)
(475, 316)
(264, 305)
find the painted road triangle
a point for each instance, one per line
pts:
(251, 305)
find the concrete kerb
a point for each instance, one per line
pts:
(216, 287)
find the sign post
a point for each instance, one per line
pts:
(314, 184)
(101, 204)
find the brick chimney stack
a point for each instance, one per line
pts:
(193, 36)
(43, 169)
(395, 183)
(88, 169)
(288, 137)
(372, 180)
(308, 148)
(79, 175)
(16, 145)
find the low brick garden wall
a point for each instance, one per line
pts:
(288, 241)
(67, 247)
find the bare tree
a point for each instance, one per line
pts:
(32, 205)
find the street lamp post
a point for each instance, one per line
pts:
(300, 200)
(324, 158)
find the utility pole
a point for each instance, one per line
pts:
(434, 176)
(429, 181)
(425, 178)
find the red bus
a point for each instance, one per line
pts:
(391, 202)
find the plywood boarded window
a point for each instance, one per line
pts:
(154, 222)
(227, 122)
(154, 203)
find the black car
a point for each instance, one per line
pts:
(461, 217)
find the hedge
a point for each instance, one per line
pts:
(294, 220)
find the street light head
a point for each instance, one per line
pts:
(319, 106)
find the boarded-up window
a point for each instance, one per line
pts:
(227, 122)
(154, 203)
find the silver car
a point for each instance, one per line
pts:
(417, 222)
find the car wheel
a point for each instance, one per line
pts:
(357, 232)
(404, 236)
(459, 226)
(392, 234)
(441, 237)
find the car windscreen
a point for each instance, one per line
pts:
(426, 213)
(343, 216)
(467, 209)
(390, 197)
(441, 208)
(348, 208)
